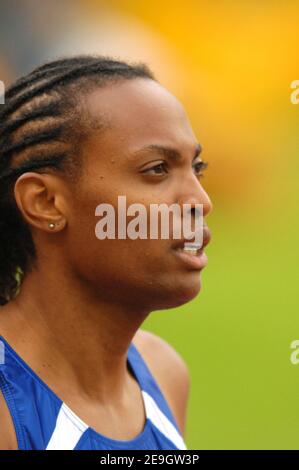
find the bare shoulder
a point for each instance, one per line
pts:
(8, 439)
(169, 370)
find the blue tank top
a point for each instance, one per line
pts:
(43, 422)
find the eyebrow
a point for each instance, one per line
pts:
(169, 152)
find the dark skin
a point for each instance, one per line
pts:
(83, 304)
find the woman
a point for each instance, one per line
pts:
(79, 373)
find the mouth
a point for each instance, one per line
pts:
(194, 248)
(192, 254)
(190, 248)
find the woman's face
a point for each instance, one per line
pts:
(147, 272)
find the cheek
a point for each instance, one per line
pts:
(117, 262)
(140, 270)
(109, 261)
(125, 267)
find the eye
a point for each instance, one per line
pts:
(199, 167)
(159, 169)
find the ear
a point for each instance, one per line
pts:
(41, 200)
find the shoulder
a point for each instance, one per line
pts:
(169, 370)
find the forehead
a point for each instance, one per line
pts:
(140, 112)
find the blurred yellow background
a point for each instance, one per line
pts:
(231, 64)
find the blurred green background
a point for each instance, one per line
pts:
(231, 64)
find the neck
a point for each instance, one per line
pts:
(69, 332)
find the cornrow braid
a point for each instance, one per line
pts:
(41, 130)
(44, 71)
(113, 69)
(49, 109)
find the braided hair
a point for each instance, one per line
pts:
(41, 129)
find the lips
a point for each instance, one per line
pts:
(186, 245)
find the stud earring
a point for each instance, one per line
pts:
(51, 225)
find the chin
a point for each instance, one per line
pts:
(188, 294)
(182, 293)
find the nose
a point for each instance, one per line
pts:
(193, 193)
